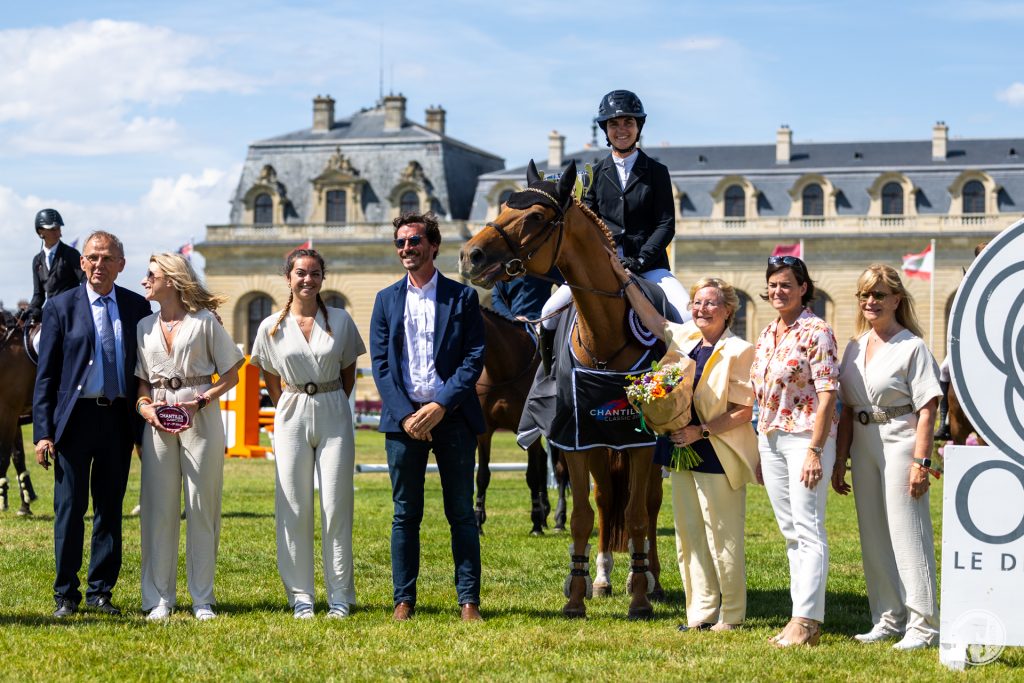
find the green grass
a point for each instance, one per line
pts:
(524, 636)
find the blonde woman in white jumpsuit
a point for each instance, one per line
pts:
(181, 347)
(889, 385)
(308, 354)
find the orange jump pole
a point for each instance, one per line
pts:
(241, 410)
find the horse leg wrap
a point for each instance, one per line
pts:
(28, 494)
(3, 493)
(603, 578)
(579, 565)
(640, 565)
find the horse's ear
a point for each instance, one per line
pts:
(567, 182)
(532, 176)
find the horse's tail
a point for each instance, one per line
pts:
(616, 535)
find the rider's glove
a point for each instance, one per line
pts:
(634, 265)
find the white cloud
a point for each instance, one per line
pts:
(1013, 95)
(694, 44)
(170, 213)
(90, 88)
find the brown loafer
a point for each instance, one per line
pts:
(471, 612)
(403, 611)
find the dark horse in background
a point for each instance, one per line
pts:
(17, 378)
(556, 229)
(511, 357)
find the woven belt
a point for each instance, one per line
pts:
(882, 415)
(175, 383)
(311, 388)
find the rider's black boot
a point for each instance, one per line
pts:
(547, 349)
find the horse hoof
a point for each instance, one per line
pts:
(537, 532)
(602, 590)
(640, 613)
(574, 612)
(657, 595)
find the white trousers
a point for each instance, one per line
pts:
(674, 292)
(800, 513)
(300, 445)
(194, 458)
(709, 517)
(897, 542)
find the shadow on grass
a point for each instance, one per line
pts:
(845, 612)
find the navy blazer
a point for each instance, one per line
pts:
(642, 217)
(66, 355)
(458, 352)
(49, 282)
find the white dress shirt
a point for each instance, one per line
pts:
(94, 382)
(418, 371)
(625, 166)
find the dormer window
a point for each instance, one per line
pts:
(892, 199)
(735, 202)
(813, 200)
(263, 210)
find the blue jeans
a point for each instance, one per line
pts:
(454, 446)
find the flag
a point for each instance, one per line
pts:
(74, 243)
(920, 265)
(789, 250)
(186, 250)
(308, 244)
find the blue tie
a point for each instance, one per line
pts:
(111, 387)
(49, 258)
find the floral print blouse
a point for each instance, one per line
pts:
(788, 377)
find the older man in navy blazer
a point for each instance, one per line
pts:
(83, 417)
(427, 345)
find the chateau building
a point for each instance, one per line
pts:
(851, 204)
(340, 182)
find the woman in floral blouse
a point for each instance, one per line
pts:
(795, 375)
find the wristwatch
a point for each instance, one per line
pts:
(815, 449)
(924, 462)
(705, 433)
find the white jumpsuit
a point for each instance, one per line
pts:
(312, 431)
(201, 347)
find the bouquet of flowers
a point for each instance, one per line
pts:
(662, 397)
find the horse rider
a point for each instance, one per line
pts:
(57, 267)
(632, 193)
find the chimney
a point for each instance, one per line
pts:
(394, 112)
(940, 136)
(556, 150)
(323, 113)
(435, 119)
(783, 144)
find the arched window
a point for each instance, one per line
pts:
(259, 310)
(336, 206)
(974, 197)
(739, 322)
(820, 304)
(334, 300)
(892, 199)
(410, 201)
(735, 202)
(813, 200)
(263, 210)
(503, 197)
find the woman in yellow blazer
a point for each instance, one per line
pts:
(709, 499)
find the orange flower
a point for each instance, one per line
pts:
(658, 391)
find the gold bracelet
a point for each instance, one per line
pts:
(145, 400)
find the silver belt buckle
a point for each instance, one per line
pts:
(310, 388)
(175, 383)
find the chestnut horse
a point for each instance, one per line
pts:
(556, 229)
(511, 357)
(17, 379)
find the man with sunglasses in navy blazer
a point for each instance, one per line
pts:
(427, 348)
(84, 419)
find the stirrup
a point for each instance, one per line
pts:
(640, 565)
(579, 565)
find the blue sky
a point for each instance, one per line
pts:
(135, 116)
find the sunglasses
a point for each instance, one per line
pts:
(151, 276)
(877, 296)
(413, 241)
(791, 261)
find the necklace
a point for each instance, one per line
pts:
(169, 324)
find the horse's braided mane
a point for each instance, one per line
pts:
(597, 221)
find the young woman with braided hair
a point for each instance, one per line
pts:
(308, 356)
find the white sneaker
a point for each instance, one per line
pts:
(911, 642)
(159, 613)
(303, 610)
(338, 611)
(878, 634)
(204, 612)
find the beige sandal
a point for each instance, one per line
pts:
(808, 633)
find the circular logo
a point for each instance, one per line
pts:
(172, 417)
(985, 634)
(986, 343)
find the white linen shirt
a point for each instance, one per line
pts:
(625, 166)
(420, 376)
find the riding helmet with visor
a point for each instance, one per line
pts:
(49, 219)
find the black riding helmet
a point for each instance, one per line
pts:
(620, 103)
(48, 218)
